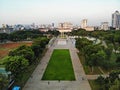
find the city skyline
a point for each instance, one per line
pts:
(55, 11)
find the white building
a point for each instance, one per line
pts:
(65, 27)
(85, 26)
(116, 20)
(89, 28)
(104, 26)
(84, 23)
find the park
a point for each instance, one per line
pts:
(59, 69)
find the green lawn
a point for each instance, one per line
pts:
(59, 66)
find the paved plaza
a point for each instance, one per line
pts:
(61, 42)
(81, 82)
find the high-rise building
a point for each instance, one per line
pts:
(116, 20)
(104, 26)
(85, 26)
(84, 23)
(53, 25)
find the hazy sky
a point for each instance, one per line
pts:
(55, 11)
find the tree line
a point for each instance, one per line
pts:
(96, 54)
(21, 59)
(25, 35)
(100, 56)
(111, 37)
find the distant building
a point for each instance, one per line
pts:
(89, 28)
(76, 27)
(18, 27)
(6, 29)
(116, 20)
(84, 25)
(96, 27)
(104, 26)
(53, 25)
(65, 27)
(43, 29)
(32, 26)
(42, 26)
(46, 27)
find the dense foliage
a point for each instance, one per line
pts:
(24, 51)
(97, 54)
(23, 60)
(110, 36)
(24, 35)
(20, 60)
(16, 64)
(39, 44)
(112, 82)
(3, 82)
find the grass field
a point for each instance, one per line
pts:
(59, 66)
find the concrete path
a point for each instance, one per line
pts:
(81, 82)
(93, 77)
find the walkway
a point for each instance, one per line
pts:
(93, 77)
(81, 83)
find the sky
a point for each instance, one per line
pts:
(56, 11)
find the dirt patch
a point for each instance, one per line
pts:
(14, 45)
(5, 48)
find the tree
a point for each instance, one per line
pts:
(81, 43)
(94, 55)
(3, 82)
(96, 59)
(36, 49)
(117, 38)
(112, 82)
(53, 32)
(16, 64)
(42, 41)
(39, 45)
(3, 37)
(100, 80)
(79, 32)
(110, 37)
(13, 37)
(116, 85)
(118, 59)
(24, 51)
(24, 35)
(114, 75)
(108, 51)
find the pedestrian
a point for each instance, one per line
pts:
(48, 82)
(82, 78)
